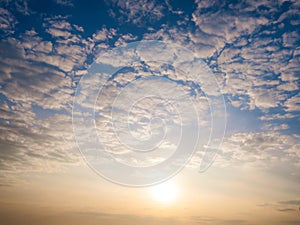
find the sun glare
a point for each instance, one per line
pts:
(165, 193)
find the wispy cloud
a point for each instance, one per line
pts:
(290, 202)
(137, 12)
(7, 22)
(65, 2)
(263, 150)
(286, 210)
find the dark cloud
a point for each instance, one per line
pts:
(290, 202)
(286, 210)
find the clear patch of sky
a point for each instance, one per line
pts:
(243, 120)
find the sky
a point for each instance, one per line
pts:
(147, 112)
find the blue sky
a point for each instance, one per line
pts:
(252, 52)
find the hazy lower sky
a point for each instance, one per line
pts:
(195, 102)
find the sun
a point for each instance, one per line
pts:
(165, 193)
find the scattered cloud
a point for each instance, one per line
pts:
(137, 12)
(31, 87)
(293, 104)
(277, 116)
(7, 22)
(251, 47)
(252, 52)
(65, 2)
(259, 149)
(20, 6)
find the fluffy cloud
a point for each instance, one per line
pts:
(247, 48)
(30, 90)
(293, 103)
(253, 52)
(68, 51)
(35, 107)
(243, 47)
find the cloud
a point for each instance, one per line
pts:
(288, 86)
(125, 39)
(215, 220)
(263, 98)
(7, 22)
(251, 46)
(134, 110)
(32, 145)
(244, 49)
(287, 206)
(30, 89)
(33, 83)
(275, 127)
(290, 39)
(254, 69)
(58, 27)
(225, 25)
(81, 216)
(20, 6)
(286, 210)
(265, 150)
(290, 202)
(137, 12)
(65, 2)
(67, 51)
(292, 104)
(277, 116)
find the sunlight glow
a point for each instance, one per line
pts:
(165, 193)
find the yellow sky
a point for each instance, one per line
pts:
(218, 196)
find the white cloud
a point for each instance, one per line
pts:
(29, 143)
(27, 83)
(67, 51)
(288, 86)
(269, 117)
(262, 149)
(293, 104)
(58, 33)
(249, 61)
(104, 34)
(125, 39)
(245, 61)
(246, 64)
(275, 127)
(263, 98)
